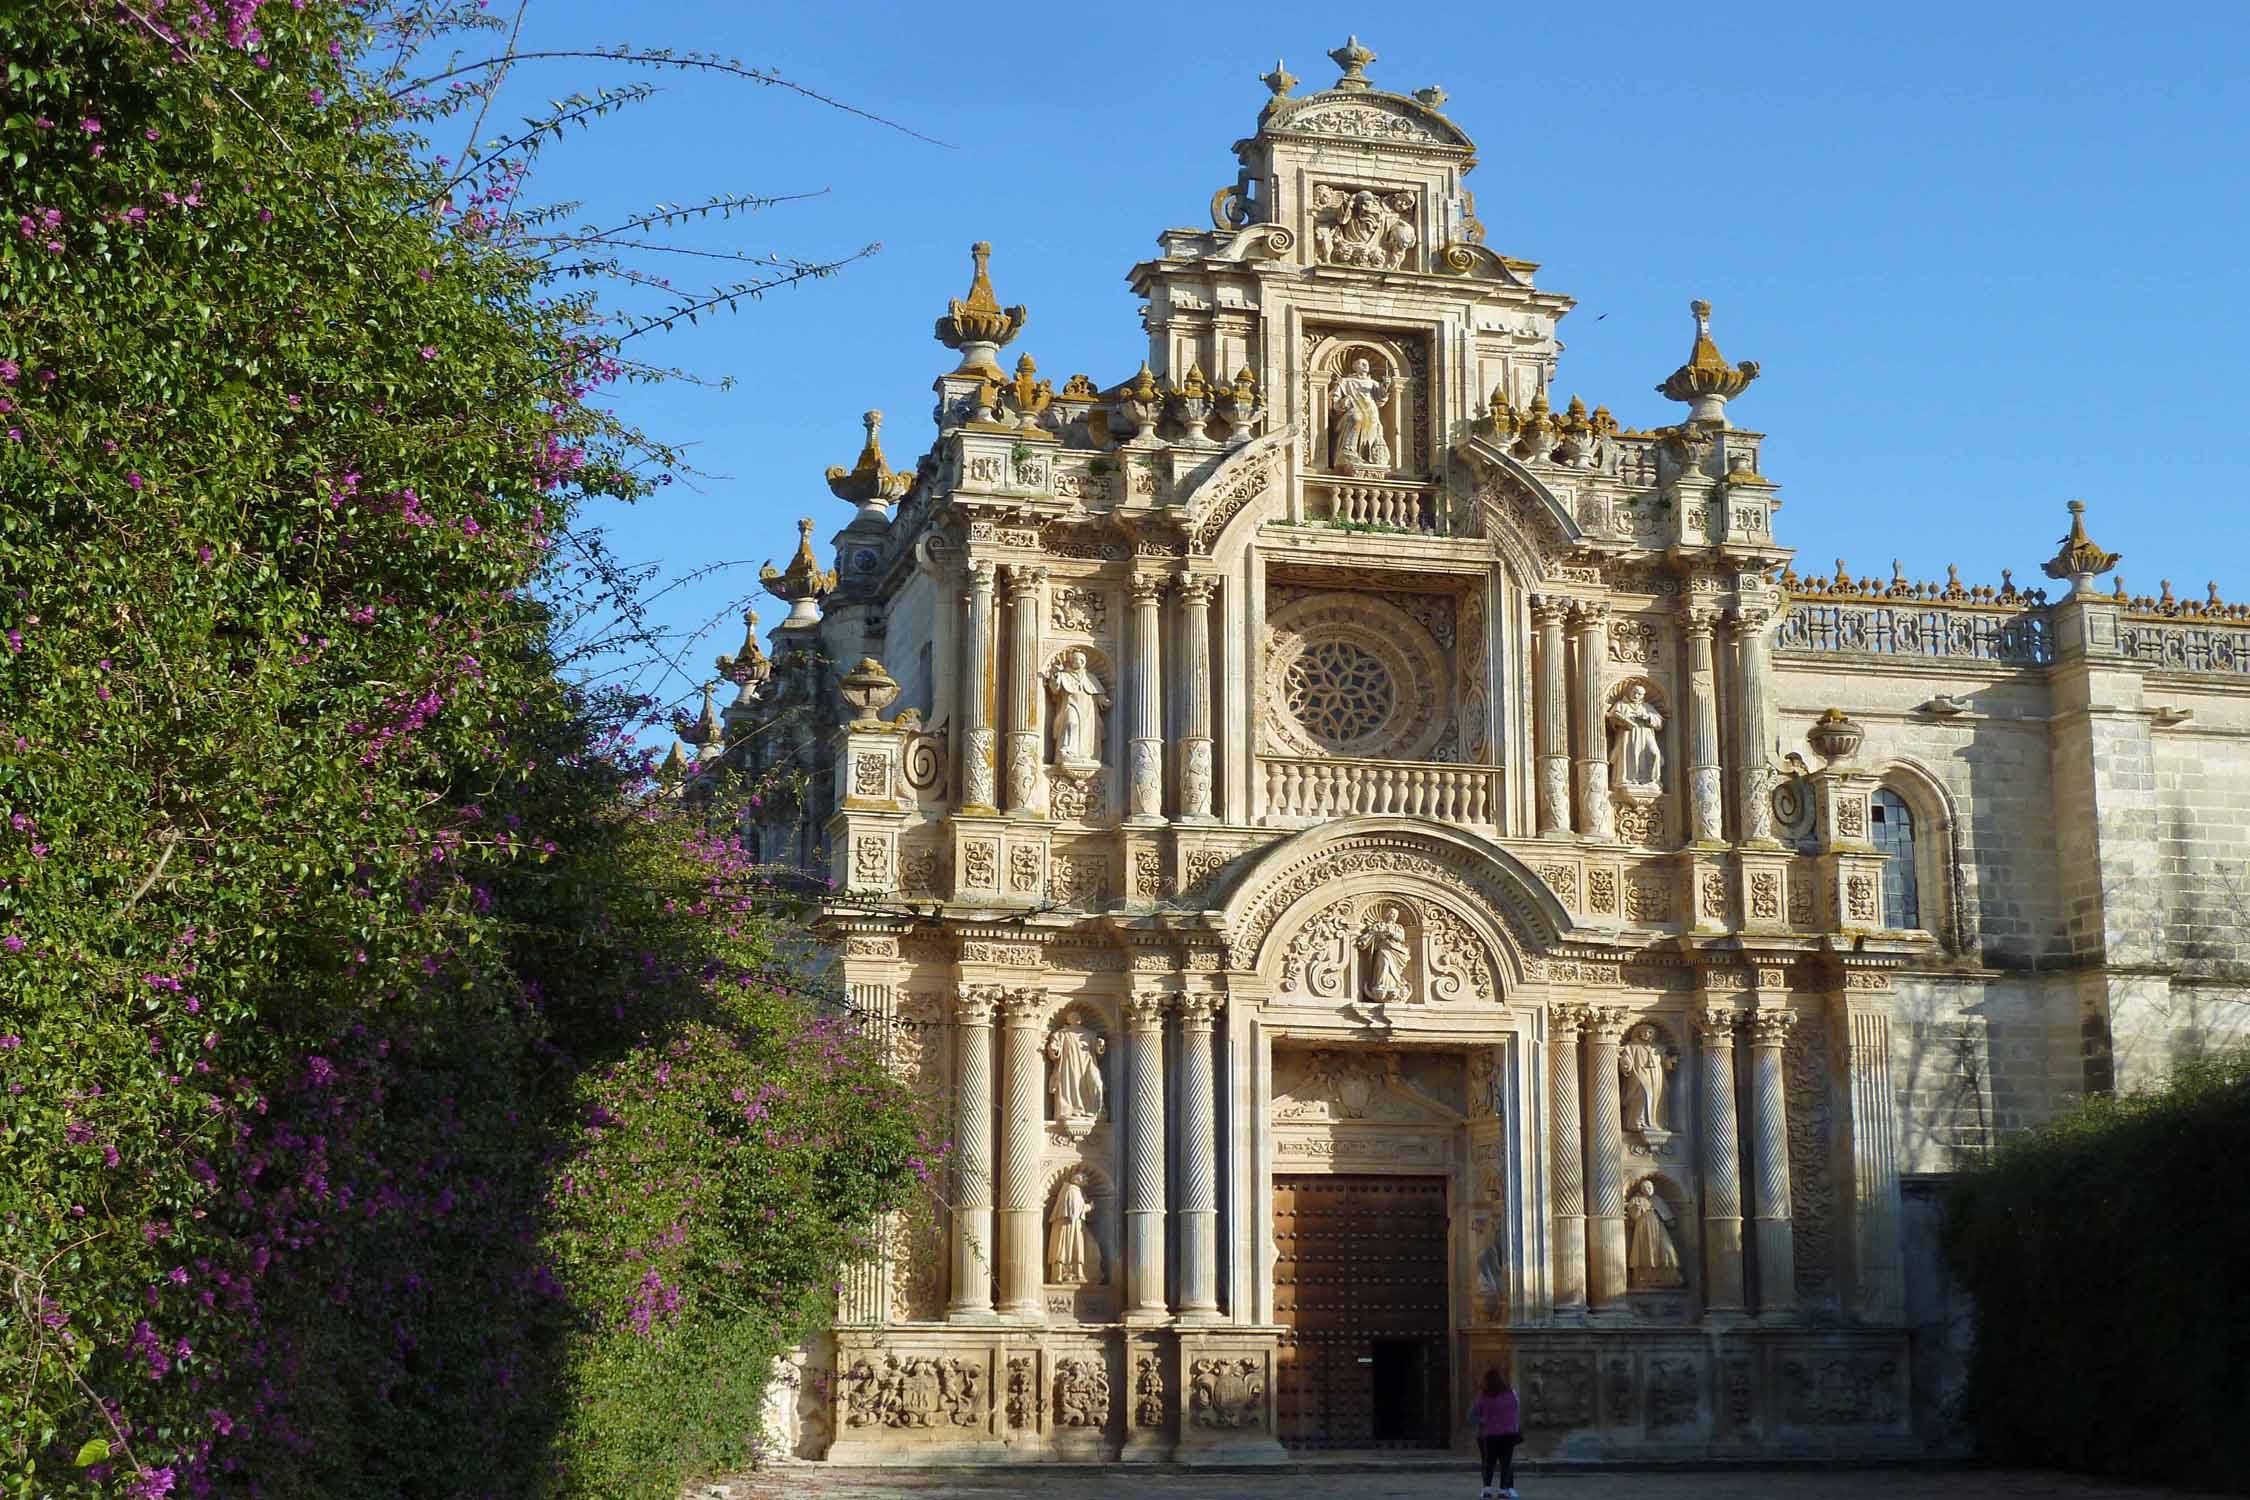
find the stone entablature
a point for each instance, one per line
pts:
(1329, 753)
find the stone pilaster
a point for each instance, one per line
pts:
(972, 1156)
(1605, 1158)
(1754, 710)
(1144, 724)
(1195, 678)
(1594, 812)
(1568, 1161)
(1706, 803)
(979, 793)
(1878, 1274)
(1025, 585)
(1721, 1160)
(1769, 1160)
(1551, 716)
(1024, 1079)
(1144, 1161)
(1199, 1161)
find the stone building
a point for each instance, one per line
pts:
(1391, 873)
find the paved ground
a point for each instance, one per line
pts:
(1421, 1481)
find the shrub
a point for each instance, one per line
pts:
(2104, 1255)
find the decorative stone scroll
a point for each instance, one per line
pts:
(916, 1391)
(1081, 1393)
(1227, 1393)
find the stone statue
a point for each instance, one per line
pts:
(1652, 1257)
(1073, 1259)
(1362, 228)
(1644, 1060)
(1077, 1085)
(1355, 408)
(1078, 697)
(1636, 760)
(1383, 940)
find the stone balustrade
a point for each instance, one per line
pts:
(1373, 502)
(1305, 790)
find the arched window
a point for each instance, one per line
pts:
(1894, 839)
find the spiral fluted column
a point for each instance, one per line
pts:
(1199, 1161)
(1550, 720)
(1722, 1166)
(979, 791)
(1706, 821)
(1567, 1161)
(1024, 1079)
(1144, 1161)
(1195, 678)
(1605, 1157)
(1769, 1157)
(1144, 725)
(1024, 588)
(972, 1156)
(1594, 813)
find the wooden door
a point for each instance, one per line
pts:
(1360, 1288)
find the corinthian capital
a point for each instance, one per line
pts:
(1589, 614)
(1550, 609)
(974, 1005)
(1197, 1008)
(1770, 1028)
(1024, 580)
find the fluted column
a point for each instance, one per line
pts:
(1199, 1162)
(1195, 676)
(972, 1156)
(1756, 716)
(1722, 1162)
(1769, 1160)
(1605, 1158)
(1024, 587)
(1144, 1161)
(1594, 819)
(1550, 720)
(1705, 803)
(1144, 724)
(1567, 1156)
(1024, 1078)
(978, 788)
(1878, 1272)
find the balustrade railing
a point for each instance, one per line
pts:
(1389, 504)
(2012, 639)
(1299, 791)
(2182, 646)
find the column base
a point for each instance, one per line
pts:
(980, 1316)
(1147, 1317)
(1197, 1317)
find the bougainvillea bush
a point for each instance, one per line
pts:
(397, 1098)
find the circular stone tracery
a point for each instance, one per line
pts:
(1352, 675)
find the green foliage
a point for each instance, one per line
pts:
(327, 911)
(2105, 1257)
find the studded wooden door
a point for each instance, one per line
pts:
(1360, 1288)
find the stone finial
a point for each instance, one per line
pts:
(1029, 395)
(802, 584)
(2080, 560)
(871, 484)
(1280, 80)
(869, 689)
(1835, 736)
(675, 767)
(1706, 382)
(706, 733)
(980, 325)
(748, 667)
(1432, 97)
(1353, 59)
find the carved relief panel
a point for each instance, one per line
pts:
(1367, 952)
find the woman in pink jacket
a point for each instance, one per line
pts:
(1498, 1422)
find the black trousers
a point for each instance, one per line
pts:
(1499, 1448)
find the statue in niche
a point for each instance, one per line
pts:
(1076, 1084)
(1652, 1255)
(1644, 1059)
(1383, 941)
(1078, 699)
(1073, 1259)
(1355, 405)
(1636, 759)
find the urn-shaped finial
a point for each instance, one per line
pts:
(871, 484)
(1706, 382)
(2080, 560)
(980, 325)
(868, 689)
(1836, 737)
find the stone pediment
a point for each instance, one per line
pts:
(1368, 117)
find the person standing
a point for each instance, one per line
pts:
(1497, 1417)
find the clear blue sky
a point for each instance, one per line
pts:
(1991, 257)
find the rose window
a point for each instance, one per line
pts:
(1339, 692)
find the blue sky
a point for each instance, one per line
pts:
(1990, 257)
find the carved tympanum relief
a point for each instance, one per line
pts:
(1387, 950)
(1347, 1085)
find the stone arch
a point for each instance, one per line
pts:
(1478, 883)
(1939, 870)
(1525, 519)
(1239, 495)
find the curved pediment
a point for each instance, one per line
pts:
(1368, 117)
(1453, 876)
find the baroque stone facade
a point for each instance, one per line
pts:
(1318, 773)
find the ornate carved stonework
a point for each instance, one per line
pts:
(916, 1391)
(1148, 1392)
(1227, 1393)
(1081, 1393)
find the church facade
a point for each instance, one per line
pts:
(1390, 874)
